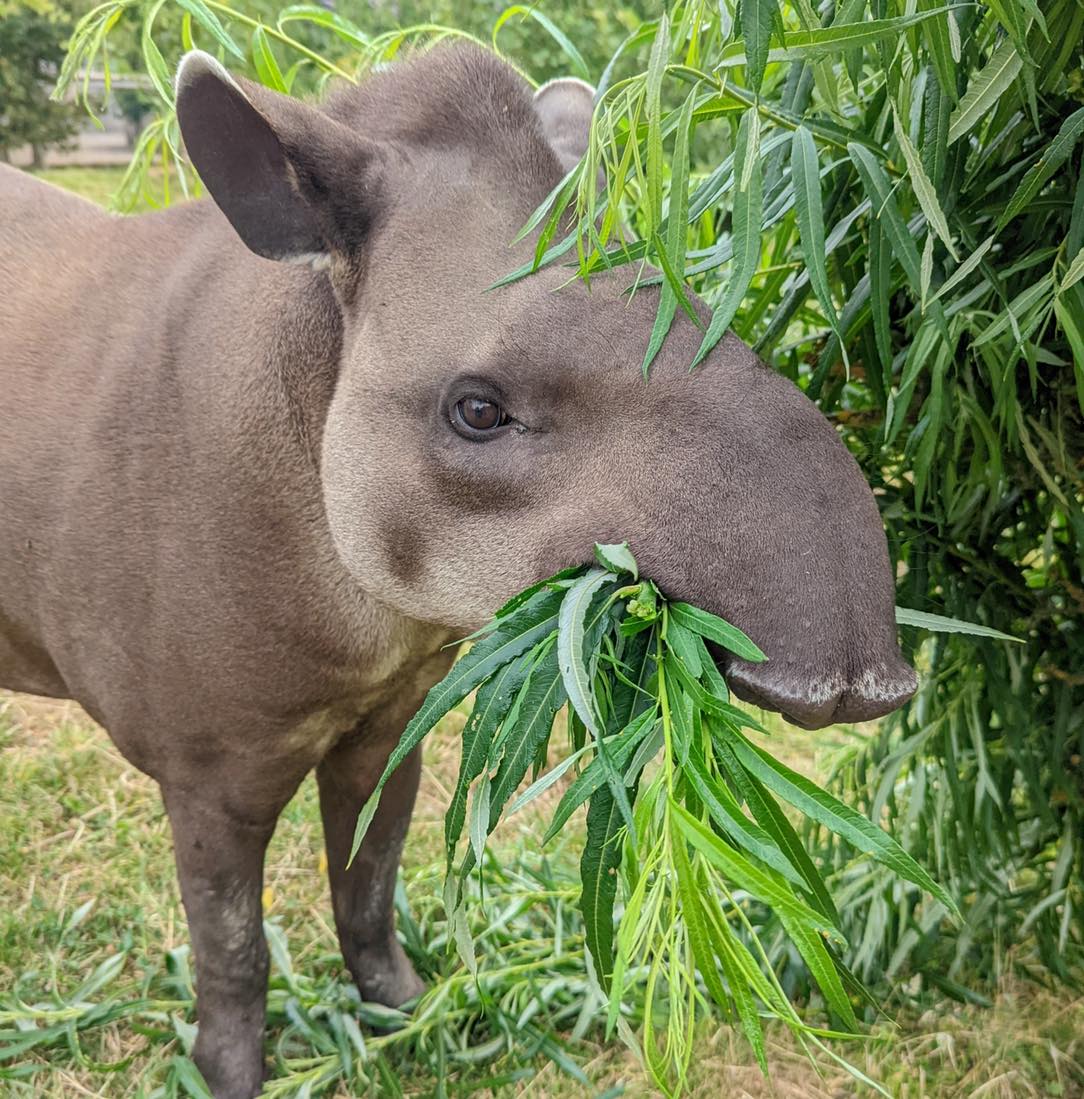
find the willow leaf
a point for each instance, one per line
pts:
(985, 89)
(724, 809)
(594, 775)
(805, 177)
(490, 707)
(211, 23)
(938, 623)
(617, 558)
(532, 623)
(715, 629)
(1053, 157)
(827, 810)
(571, 627)
(923, 187)
(598, 873)
(540, 699)
(263, 59)
(758, 19)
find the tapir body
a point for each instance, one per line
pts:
(264, 457)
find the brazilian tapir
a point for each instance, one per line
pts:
(263, 457)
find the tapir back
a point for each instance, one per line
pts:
(156, 497)
(48, 239)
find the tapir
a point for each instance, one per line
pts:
(266, 455)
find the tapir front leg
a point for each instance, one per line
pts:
(220, 836)
(363, 894)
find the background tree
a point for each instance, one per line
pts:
(33, 38)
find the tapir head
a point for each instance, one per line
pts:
(478, 440)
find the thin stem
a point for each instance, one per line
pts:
(285, 39)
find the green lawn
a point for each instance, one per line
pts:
(95, 992)
(101, 185)
(87, 887)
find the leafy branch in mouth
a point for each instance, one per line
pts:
(685, 825)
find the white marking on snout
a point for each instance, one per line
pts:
(805, 692)
(878, 684)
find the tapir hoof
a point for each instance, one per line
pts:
(385, 976)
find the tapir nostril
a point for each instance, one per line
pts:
(877, 691)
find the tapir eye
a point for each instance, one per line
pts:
(474, 416)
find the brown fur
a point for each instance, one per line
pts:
(238, 527)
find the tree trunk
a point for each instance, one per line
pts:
(38, 161)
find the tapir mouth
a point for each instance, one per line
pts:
(817, 701)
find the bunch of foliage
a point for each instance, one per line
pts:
(893, 214)
(684, 819)
(886, 200)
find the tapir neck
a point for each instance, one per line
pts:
(160, 473)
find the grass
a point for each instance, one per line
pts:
(100, 185)
(86, 872)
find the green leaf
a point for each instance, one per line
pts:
(533, 622)
(802, 923)
(758, 18)
(479, 817)
(579, 66)
(827, 42)
(594, 776)
(762, 884)
(984, 89)
(490, 707)
(965, 268)
(683, 642)
(937, 623)
(805, 177)
(835, 816)
(884, 208)
(540, 699)
(1053, 157)
(263, 59)
(696, 924)
(656, 70)
(677, 218)
(323, 17)
(923, 188)
(741, 973)
(571, 625)
(190, 1079)
(598, 873)
(724, 809)
(211, 23)
(153, 60)
(747, 220)
(774, 821)
(714, 629)
(1074, 273)
(617, 558)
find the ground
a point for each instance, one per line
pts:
(86, 871)
(95, 998)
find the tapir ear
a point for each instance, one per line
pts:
(294, 184)
(565, 107)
